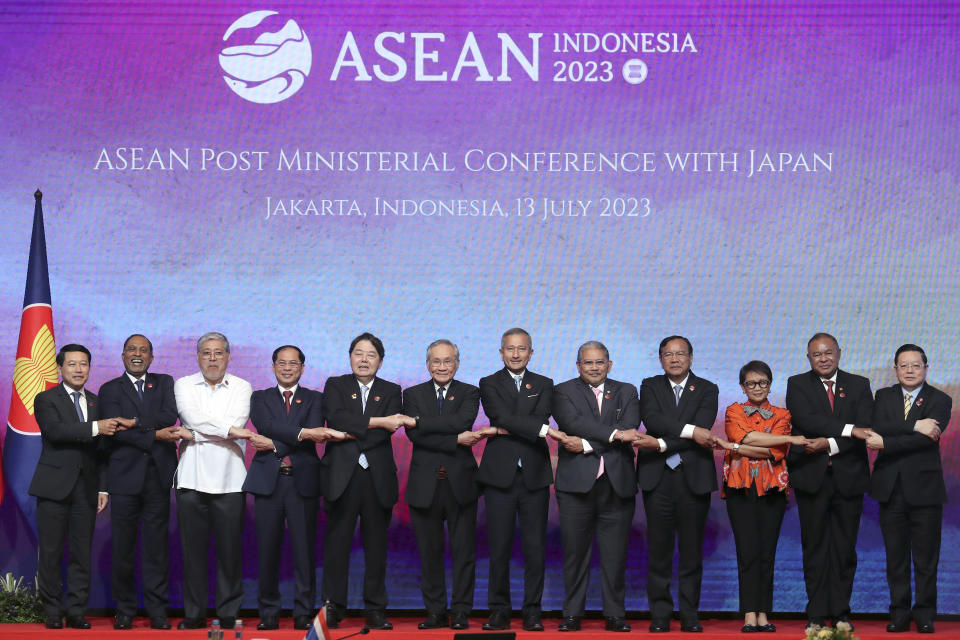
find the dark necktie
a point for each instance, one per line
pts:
(829, 384)
(286, 400)
(440, 400)
(139, 384)
(76, 403)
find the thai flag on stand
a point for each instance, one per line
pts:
(318, 630)
(35, 370)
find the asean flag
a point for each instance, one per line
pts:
(35, 370)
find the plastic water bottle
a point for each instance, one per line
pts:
(238, 630)
(215, 633)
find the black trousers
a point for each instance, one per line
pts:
(359, 500)
(911, 530)
(149, 512)
(504, 507)
(756, 521)
(601, 512)
(201, 515)
(675, 514)
(286, 504)
(829, 524)
(461, 522)
(69, 521)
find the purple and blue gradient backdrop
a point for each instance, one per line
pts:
(746, 267)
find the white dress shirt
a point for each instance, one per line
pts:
(213, 462)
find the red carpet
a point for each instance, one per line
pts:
(405, 628)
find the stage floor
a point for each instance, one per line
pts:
(405, 628)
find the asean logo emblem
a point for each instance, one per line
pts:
(270, 66)
(32, 374)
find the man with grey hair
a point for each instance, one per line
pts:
(213, 407)
(442, 483)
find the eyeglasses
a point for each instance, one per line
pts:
(910, 366)
(754, 384)
(672, 354)
(213, 355)
(437, 363)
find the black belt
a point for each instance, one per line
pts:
(286, 471)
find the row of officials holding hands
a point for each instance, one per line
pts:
(122, 446)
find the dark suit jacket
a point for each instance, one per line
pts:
(912, 456)
(68, 446)
(435, 441)
(523, 413)
(575, 410)
(344, 409)
(130, 449)
(664, 418)
(269, 416)
(809, 407)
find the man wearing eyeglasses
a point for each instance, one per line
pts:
(441, 485)
(907, 481)
(678, 408)
(214, 406)
(832, 408)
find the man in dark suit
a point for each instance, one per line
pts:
(139, 477)
(596, 487)
(69, 485)
(677, 475)
(829, 475)
(908, 483)
(284, 478)
(515, 474)
(441, 485)
(360, 478)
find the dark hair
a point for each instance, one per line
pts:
(277, 351)
(756, 366)
(820, 336)
(372, 339)
(910, 347)
(69, 348)
(137, 335)
(669, 339)
(516, 331)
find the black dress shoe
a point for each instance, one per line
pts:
(659, 626)
(532, 622)
(569, 623)
(499, 620)
(749, 628)
(302, 623)
(767, 628)
(334, 615)
(123, 621)
(925, 627)
(268, 624)
(377, 619)
(77, 622)
(611, 623)
(691, 626)
(228, 622)
(159, 623)
(53, 623)
(459, 620)
(192, 623)
(434, 621)
(898, 627)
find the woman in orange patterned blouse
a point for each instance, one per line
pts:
(755, 488)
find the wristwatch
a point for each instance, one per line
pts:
(736, 446)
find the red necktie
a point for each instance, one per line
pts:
(829, 384)
(288, 393)
(597, 392)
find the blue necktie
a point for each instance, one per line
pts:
(76, 403)
(674, 461)
(440, 400)
(518, 379)
(139, 384)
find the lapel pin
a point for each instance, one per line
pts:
(919, 402)
(692, 388)
(298, 400)
(353, 396)
(149, 385)
(89, 403)
(606, 395)
(449, 397)
(529, 386)
(843, 395)
(376, 398)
